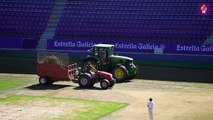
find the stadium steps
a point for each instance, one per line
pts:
(52, 24)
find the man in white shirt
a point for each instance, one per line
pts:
(150, 106)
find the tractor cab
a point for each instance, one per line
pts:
(103, 52)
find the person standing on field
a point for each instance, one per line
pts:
(150, 106)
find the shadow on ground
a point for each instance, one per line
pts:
(91, 88)
(123, 82)
(47, 87)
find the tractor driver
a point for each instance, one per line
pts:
(90, 69)
(103, 55)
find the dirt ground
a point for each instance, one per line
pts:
(172, 100)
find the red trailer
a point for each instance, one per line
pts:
(50, 73)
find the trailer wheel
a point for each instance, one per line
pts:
(43, 80)
(105, 84)
(84, 81)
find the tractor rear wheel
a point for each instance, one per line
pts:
(105, 84)
(84, 81)
(119, 73)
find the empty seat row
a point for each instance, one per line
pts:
(123, 8)
(183, 1)
(101, 35)
(23, 22)
(129, 11)
(141, 17)
(29, 1)
(23, 27)
(24, 5)
(142, 31)
(167, 1)
(135, 21)
(135, 13)
(26, 10)
(7, 15)
(24, 18)
(135, 26)
(131, 3)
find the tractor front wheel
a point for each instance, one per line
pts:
(119, 73)
(105, 84)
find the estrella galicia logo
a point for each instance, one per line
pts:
(203, 8)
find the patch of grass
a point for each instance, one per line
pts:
(81, 109)
(98, 110)
(8, 84)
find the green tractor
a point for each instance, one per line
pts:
(102, 57)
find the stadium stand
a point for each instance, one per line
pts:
(168, 20)
(22, 22)
(21, 26)
(138, 20)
